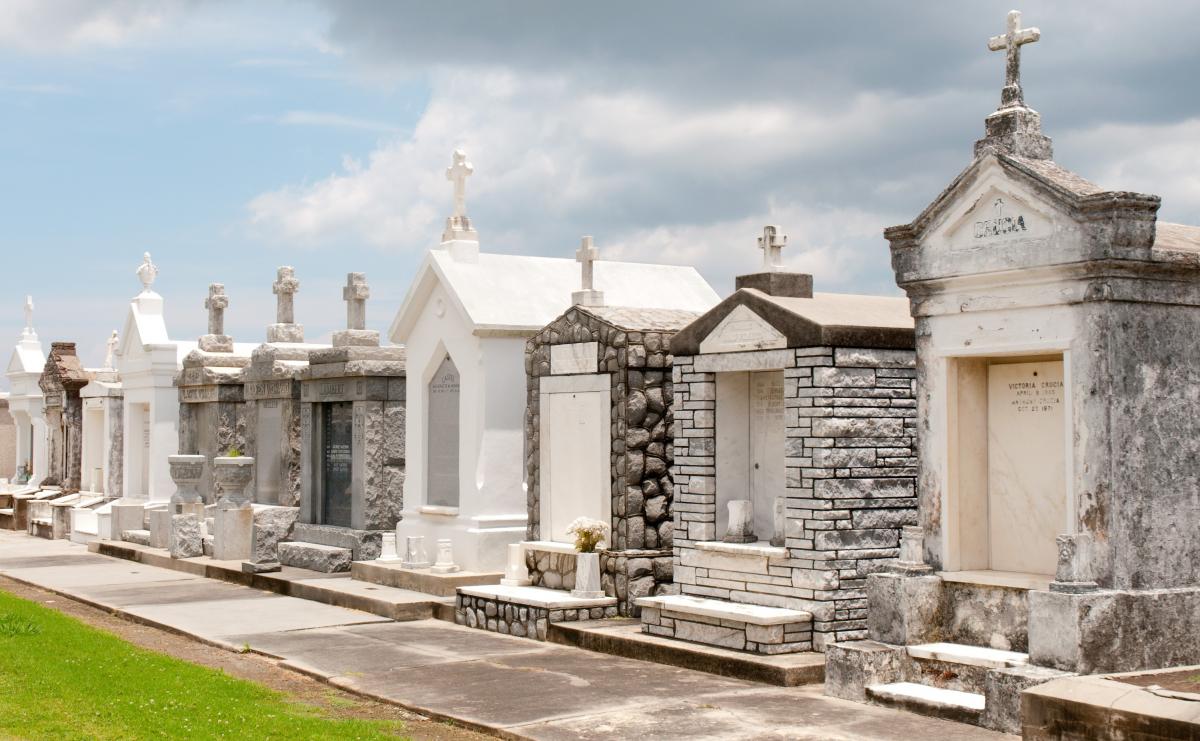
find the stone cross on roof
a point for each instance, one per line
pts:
(28, 314)
(147, 271)
(284, 288)
(458, 173)
(772, 243)
(355, 295)
(111, 349)
(216, 304)
(586, 256)
(1011, 42)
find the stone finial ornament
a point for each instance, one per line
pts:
(285, 287)
(216, 340)
(111, 349)
(457, 173)
(586, 256)
(1010, 43)
(772, 243)
(355, 294)
(29, 315)
(147, 271)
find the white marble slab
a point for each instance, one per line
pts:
(715, 608)
(926, 694)
(550, 599)
(957, 653)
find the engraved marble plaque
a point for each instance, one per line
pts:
(442, 446)
(742, 330)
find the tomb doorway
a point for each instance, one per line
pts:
(750, 446)
(337, 453)
(575, 442)
(92, 465)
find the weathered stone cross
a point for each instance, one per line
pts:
(284, 288)
(356, 294)
(216, 303)
(29, 313)
(458, 173)
(1011, 43)
(772, 243)
(585, 256)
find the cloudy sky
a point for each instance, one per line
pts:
(229, 138)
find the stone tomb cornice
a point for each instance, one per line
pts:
(352, 388)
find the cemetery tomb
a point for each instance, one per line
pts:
(61, 381)
(599, 441)
(103, 405)
(8, 441)
(1059, 436)
(352, 452)
(468, 315)
(793, 465)
(24, 369)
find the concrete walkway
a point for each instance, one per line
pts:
(512, 686)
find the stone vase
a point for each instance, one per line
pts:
(230, 477)
(587, 576)
(186, 471)
(741, 522)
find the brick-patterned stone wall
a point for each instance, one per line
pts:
(639, 367)
(850, 447)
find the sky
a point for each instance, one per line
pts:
(228, 138)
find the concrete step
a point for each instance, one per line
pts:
(326, 559)
(624, 637)
(958, 653)
(963, 707)
(139, 537)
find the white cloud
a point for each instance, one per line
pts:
(39, 26)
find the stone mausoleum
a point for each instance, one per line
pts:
(794, 462)
(61, 381)
(598, 441)
(1058, 482)
(351, 445)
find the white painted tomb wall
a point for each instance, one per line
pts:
(574, 454)
(25, 405)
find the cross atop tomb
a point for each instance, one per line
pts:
(457, 173)
(111, 349)
(284, 288)
(585, 256)
(147, 271)
(355, 295)
(29, 315)
(772, 243)
(216, 303)
(1011, 42)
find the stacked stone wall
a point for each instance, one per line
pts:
(510, 618)
(641, 453)
(850, 454)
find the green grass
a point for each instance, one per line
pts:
(62, 679)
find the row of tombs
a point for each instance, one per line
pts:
(753, 461)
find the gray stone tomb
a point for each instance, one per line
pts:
(1059, 436)
(351, 444)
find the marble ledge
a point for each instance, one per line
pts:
(549, 599)
(1007, 579)
(761, 548)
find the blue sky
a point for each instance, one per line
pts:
(229, 138)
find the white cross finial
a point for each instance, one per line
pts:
(216, 303)
(111, 346)
(147, 271)
(457, 173)
(585, 256)
(772, 243)
(29, 314)
(1011, 42)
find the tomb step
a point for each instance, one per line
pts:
(140, 537)
(327, 559)
(958, 653)
(963, 707)
(733, 625)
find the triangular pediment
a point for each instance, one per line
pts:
(996, 209)
(742, 330)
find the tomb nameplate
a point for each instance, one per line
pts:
(740, 331)
(336, 464)
(442, 457)
(998, 218)
(1026, 465)
(269, 390)
(269, 455)
(578, 357)
(198, 394)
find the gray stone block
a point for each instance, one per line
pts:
(1002, 690)
(271, 526)
(851, 667)
(231, 538)
(184, 539)
(160, 526)
(903, 610)
(314, 557)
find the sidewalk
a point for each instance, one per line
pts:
(511, 686)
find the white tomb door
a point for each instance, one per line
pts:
(750, 446)
(144, 468)
(1026, 466)
(442, 444)
(92, 465)
(575, 480)
(268, 462)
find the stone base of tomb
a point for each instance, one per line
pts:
(364, 545)
(393, 574)
(232, 536)
(968, 684)
(627, 575)
(326, 559)
(526, 612)
(735, 625)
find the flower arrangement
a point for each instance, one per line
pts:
(234, 453)
(588, 533)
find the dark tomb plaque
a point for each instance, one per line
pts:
(443, 436)
(336, 457)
